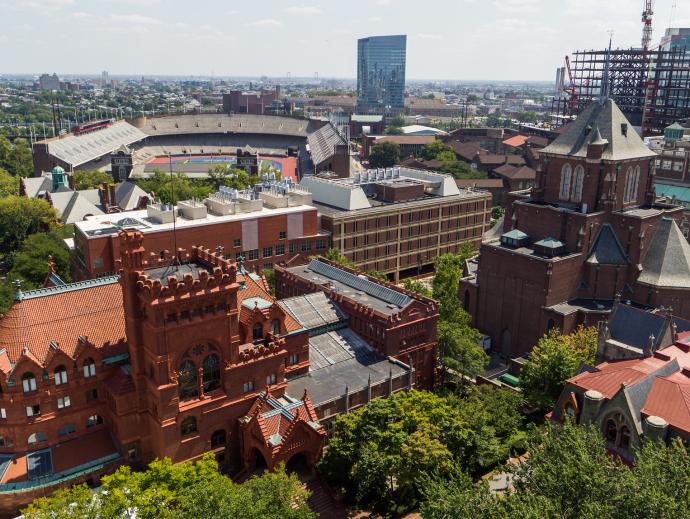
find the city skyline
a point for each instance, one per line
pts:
(148, 37)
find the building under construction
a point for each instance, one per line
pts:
(651, 87)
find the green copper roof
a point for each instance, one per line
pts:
(69, 287)
(515, 234)
(551, 243)
(57, 170)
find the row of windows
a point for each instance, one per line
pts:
(267, 252)
(189, 426)
(237, 242)
(29, 380)
(62, 403)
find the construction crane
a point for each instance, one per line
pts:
(647, 21)
(570, 89)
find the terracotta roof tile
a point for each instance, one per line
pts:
(669, 398)
(61, 316)
(610, 375)
(516, 141)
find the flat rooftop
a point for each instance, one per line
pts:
(108, 224)
(340, 359)
(376, 296)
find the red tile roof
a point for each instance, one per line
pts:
(61, 316)
(669, 398)
(610, 375)
(516, 141)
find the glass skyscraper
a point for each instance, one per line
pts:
(381, 74)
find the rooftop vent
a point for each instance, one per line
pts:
(514, 239)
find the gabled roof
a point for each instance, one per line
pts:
(669, 398)
(623, 141)
(92, 309)
(633, 326)
(667, 261)
(73, 206)
(606, 249)
(516, 141)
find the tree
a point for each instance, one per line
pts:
(370, 451)
(91, 179)
(378, 275)
(384, 155)
(435, 148)
(270, 276)
(338, 257)
(397, 121)
(458, 342)
(30, 262)
(553, 360)
(9, 185)
(22, 159)
(179, 491)
(527, 117)
(393, 130)
(20, 217)
(414, 285)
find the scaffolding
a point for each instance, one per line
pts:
(651, 87)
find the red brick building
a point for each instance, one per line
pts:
(588, 230)
(180, 358)
(265, 229)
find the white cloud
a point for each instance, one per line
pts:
(423, 36)
(305, 10)
(44, 5)
(384, 2)
(266, 22)
(516, 6)
(135, 19)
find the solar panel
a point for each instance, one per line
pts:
(358, 283)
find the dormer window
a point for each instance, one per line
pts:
(28, 382)
(60, 375)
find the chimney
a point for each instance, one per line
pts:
(104, 195)
(70, 181)
(111, 197)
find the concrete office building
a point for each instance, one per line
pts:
(381, 74)
(398, 221)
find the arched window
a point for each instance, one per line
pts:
(275, 327)
(211, 372)
(28, 382)
(218, 438)
(6, 442)
(566, 174)
(189, 384)
(66, 429)
(611, 431)
(188, 426)
(37, 437)
(60, 375)
(257, 331)
(89, 368)
(635, 184)
(579, 180)
(93, 421)
(628, 184)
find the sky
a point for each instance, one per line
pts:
(447, 39)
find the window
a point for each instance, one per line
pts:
(306, 246)
(293, 248)
(236, 242)
(253, 254)
(248, 386)
(60, 375)
(294, 359)
(28, 382)
(66, 429)
(93, 421)
(579, 179)
(98, 263)
(188, 426)
(37, 437)
(189, 386)
(320, 244)
(218, 438)
(89, 368)
(271, 379)
(3, 413)
(282, 235)
(63, 402)
(257, 331)
(268, 265)
(566, 174)
(280, 250)
(268, 252)
(91, 395)
(33, 410)
(275, 327)
(5, 442)
(211, 372)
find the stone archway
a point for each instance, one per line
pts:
(298, 463)
(258, 461)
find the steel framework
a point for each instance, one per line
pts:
(651, 87)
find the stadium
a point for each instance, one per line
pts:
(193, 143)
